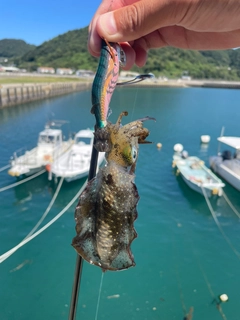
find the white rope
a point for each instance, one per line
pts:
(218, 224)
(22, 181)
(4, 168)
(207, 282)
(22, 243)
(231, 205)
(47, 210)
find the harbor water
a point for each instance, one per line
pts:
(183, 261)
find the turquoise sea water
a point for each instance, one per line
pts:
(182, 259)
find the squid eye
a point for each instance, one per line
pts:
(134, 153)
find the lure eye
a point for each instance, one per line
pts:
(134, 153)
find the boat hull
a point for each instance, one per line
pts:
(197, 188)
(17, 171)
(218, 166)
(75, 163)
(72, 176)
(197, 176)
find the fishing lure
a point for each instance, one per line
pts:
(111, 58)
(107, 207)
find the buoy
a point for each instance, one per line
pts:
(205, 139)
(159, 145)
(178, 147)
(223, 297)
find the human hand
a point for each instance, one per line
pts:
(140, 25)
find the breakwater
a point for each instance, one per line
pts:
(22, 93)
(190, 83)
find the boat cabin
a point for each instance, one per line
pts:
(50, 136)
(84, 137)
(233, 142)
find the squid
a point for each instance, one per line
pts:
(107, 207)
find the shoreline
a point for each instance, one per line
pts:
(191, 83)
(18, 93)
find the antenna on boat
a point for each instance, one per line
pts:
(219, 143)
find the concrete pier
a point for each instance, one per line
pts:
(21, 93)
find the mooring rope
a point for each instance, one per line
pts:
(22, 243)
(231, 205)
(218, 224)
(178, 277)
(206, 280)
(4, 168)
(22, 181)
(48, 208)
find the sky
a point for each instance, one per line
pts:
(36, 21)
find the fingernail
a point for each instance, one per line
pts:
(108, 23)
(94, 43)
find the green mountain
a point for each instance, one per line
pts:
(69, 50)
(173, 62)
(11, 48)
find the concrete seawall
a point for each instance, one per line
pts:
(16, 94)
(13, 94)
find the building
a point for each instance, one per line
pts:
(64, 71)
(85, 73)
(9, 69)
(46, 70)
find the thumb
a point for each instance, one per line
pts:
(139, 19)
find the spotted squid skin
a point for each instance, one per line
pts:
(104, 217)
(107, 207)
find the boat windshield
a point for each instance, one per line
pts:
(48, 139)
(82, 140)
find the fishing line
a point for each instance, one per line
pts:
(230, 204)
(4, 168)
(22, 181)
(218, 224)
(99, 295)
(22, 243)
(134, 103)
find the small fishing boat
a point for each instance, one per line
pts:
(227, 163)
(50, 146)
(74, 164)
(196, 175)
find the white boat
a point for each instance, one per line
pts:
(197, 176)
(227, 163)
(49, 147)
(75, 163)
